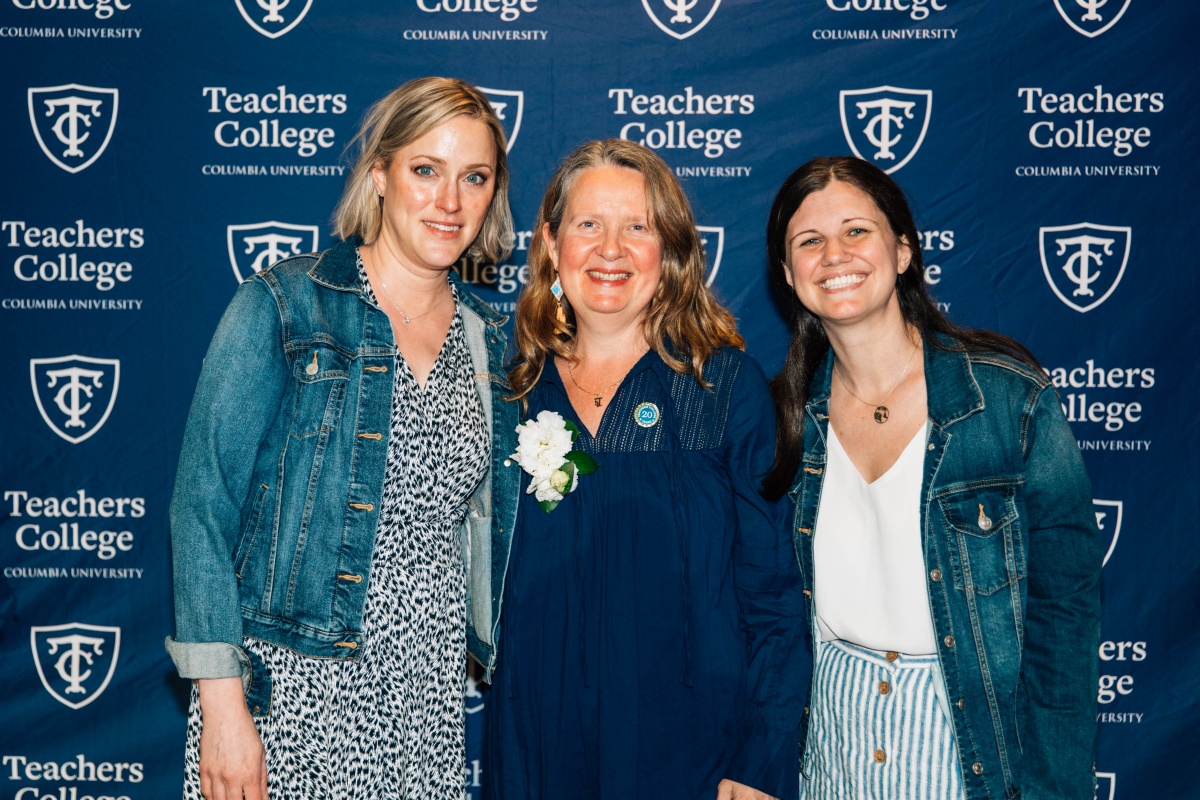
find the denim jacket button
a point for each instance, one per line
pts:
(977, 768)
(935, 575)
(949, 641)
(961, 704)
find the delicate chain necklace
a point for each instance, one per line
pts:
(598, 397)
(881, 411)
(407, 318)
(388, 292)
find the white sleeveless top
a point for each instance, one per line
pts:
(868, 563)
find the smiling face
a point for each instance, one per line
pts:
(842, 257)
(436, 193)
(607, 252)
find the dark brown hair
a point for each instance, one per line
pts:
(809, 344)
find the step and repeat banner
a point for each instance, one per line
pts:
(157, 153)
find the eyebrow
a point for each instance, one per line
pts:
(436, 160)
(814, 230)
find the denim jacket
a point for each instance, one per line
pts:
(1012, 556)
(281, 475)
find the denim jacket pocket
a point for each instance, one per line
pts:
(984, 529)
(322, 373)
(250, 530)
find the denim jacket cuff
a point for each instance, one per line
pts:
(209, 660)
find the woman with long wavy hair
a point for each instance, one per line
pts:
(650, 613)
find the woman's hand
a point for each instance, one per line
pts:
(232, 762)
(732, 790)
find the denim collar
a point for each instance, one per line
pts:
(337, 269)
(952, 392)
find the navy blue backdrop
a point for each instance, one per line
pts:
(157, 153)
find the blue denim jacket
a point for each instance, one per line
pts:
(281, 476)
(1013, 557)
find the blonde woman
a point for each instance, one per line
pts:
(651, 618)
(341, 429)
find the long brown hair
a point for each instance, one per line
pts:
(684, 323)
(809, 344)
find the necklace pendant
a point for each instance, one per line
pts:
(407, 318)
(597, 400)
(881, 414)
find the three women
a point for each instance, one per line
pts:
(352, 417)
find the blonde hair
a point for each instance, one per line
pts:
(684, 323)
(407, 114)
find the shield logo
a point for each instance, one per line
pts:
(75, 661)
(73, 123)
(713, 238)
(1108, 520)
(885, 124)
(253, 248)
(509, 105)
(1074, 257)
(680, 18)
(75, 394)
(265, 17)
(1091, 17)
(1106, 786)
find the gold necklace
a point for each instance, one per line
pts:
(598, 398)
(881, 411)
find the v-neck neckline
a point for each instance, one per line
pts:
(637, 368)
(920, 433)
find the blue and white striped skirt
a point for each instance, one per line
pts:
(877, 730)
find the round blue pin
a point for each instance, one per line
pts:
(646, 415)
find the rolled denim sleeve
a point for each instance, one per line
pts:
(238, 397)
(768, 586)
(1059, 672)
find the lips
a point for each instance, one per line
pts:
(599, 275)
(444, 227)
(842, 281)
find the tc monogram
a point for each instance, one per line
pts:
(273, 23)
(1091, 23)
(673, 24)
(253, 248)
(881, 124)
(75, 661)
(879, 129)
(72, 123)
(75, 394)
(1079, 261)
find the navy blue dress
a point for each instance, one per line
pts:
(652, 622)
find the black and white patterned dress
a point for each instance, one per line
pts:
(391, 724)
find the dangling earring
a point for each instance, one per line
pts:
(560, 313)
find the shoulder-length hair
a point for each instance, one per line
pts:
(684, 323)
(809, 344)
(403, 116)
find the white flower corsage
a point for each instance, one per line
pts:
(544, 451)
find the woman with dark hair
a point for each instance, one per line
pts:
(943, 520)
(344, 444)
(652, 618)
